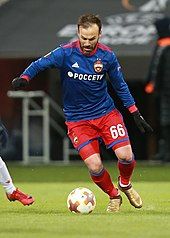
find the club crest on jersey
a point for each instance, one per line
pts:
(98, 66)
(75, 139)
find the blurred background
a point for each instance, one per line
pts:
(30, 29)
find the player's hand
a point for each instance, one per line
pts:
(141, 123)
(19, 82)
(3, 136)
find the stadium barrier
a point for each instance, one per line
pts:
(30, 108)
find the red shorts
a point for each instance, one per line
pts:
(109, 128)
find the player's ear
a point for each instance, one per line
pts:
(78, 31)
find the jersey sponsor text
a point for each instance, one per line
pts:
(89, 77)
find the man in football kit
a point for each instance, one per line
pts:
(12, 193)
(89, 110)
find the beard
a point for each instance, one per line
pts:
(88, 49)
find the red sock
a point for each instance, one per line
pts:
(103, 180)
(126, 169)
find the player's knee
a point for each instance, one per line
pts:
(126, 157)
(95, 168)
(94, 163)
(124, 153)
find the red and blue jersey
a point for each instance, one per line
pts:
(83, 79)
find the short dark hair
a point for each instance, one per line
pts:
(87, 20)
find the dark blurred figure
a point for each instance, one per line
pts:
(158, 82)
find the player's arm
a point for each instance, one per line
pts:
(122, 90)
(52, 59)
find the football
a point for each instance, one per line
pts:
(81, 201)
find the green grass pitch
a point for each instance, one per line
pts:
(49, 216)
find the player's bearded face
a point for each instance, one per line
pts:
(88, 38)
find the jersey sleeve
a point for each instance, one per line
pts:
(52, 59)
(118, 82)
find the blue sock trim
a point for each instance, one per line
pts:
(97, 174)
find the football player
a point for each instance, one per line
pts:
(90, 112)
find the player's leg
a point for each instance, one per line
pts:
(12, 192)
(99, 174)
(5, 178)
(115, 136)
(126, 165)
(84, 140)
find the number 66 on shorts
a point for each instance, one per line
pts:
(117, 131)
